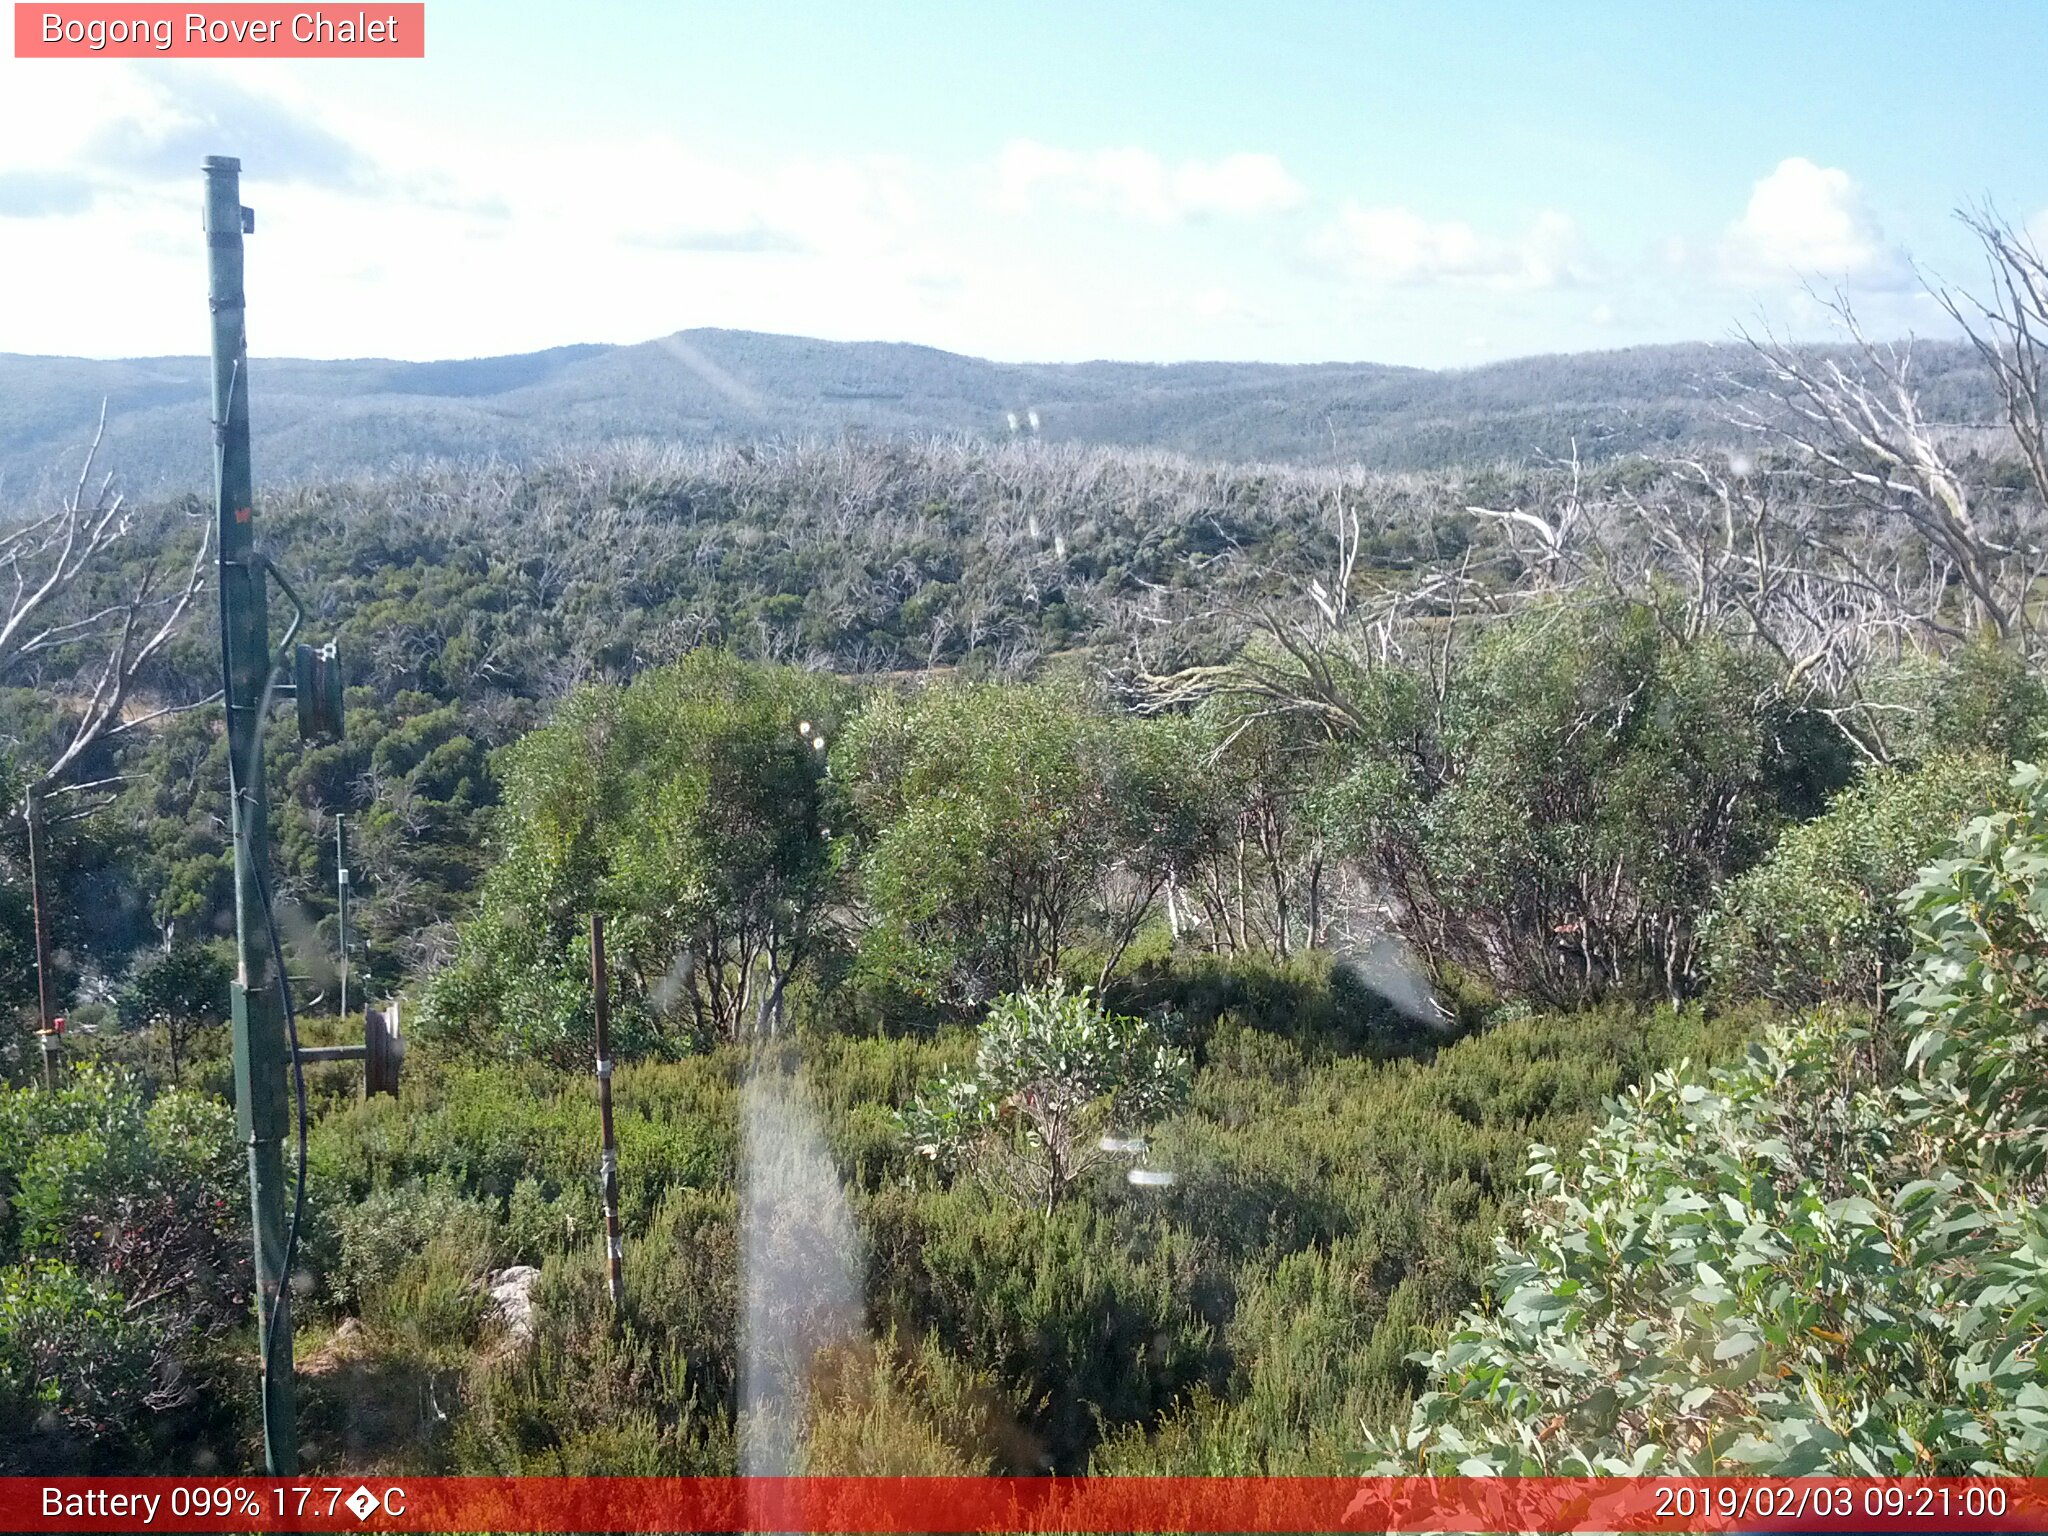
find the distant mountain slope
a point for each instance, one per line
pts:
(317, 419)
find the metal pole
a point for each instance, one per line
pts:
(32, 811)
(341, 905)
(608, 1165)
(261, 1054)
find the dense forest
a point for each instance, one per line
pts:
(1117, 963)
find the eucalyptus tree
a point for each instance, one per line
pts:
(1003, 829)
(690, 808)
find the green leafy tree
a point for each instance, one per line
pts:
(689, 809)
(1252, 856)
(180, 992)
(1054, 1077)
(1561, 819)
(1001, 827)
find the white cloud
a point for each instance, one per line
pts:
(1384, 246)
(1808, 221)
(665, 195)
(1141, 185)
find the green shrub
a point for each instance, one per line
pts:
(1054, 1078)
(1559, 825)
(1333, 1185)
(148, 1196)
(394, 1228)
(1818, 919)
(1800, 1265)
(1314, 998)
(1982, 698)
(882, 1410)
(485, 1129)
(179, 994)
(595, 1395)
(1977, 998)
(1086, 1318)
(537, 1227)
(75, 1366)
(998, 828)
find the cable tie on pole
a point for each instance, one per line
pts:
(604, 1066)
(608, 1165)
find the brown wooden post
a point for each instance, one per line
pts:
(609, 1164)
(32, 808)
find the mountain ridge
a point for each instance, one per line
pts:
(341, 418)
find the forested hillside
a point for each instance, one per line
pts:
(1093, 936)
(322, 420)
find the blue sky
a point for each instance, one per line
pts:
(1429, 184)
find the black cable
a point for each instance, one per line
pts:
(267, 1317)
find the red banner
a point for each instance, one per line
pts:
(261, 31)
(991, 1504)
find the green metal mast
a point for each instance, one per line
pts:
(262, 1055)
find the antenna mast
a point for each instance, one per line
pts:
(262, 1053)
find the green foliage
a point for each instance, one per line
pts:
(1323, 1194)
(144, 1193)
(394, 1226)
(1053, 1077)
(1594, 778)
(1800, 1265)
(689, 810)
(179, 993)
(1547, 828)
(1818, 919)
(17, 949)
(74, 1364)
(1977, 997)
(125, 1253)
(993, 821)
(883, 1410)
(638, 1395)
(1093, 1316)
(1978, 699)
(180, 852)
(1242, 828)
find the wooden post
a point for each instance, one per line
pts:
(609, 1163)
(32, 810)
(341, 906)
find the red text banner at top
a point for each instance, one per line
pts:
(886, 1506)
(240, 31)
